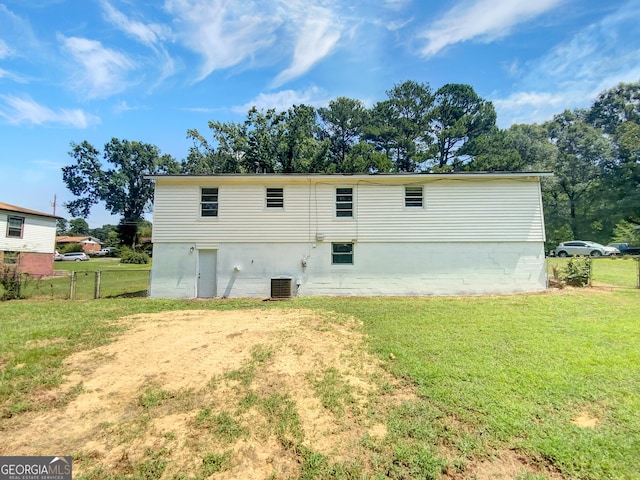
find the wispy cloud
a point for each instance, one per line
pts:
(123, 106)
(484, 20)
(530, 107)
(24, 110)
(149, 34)
(227, 34)
(285, 99)
(13, 76)
(18, 30)
(223, 33)
(103, 71)
(396, 4)
(152, 35)
(317, 35)
(574, 72)
(5, 51)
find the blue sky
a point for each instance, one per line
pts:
(149, 70)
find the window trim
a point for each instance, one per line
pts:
(338, 202)
(277, 199)
(204, 202)
(335, 254)
(410, 198)
(10, 228)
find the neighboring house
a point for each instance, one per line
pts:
(27, 239)
(89, 244)
(402, 234)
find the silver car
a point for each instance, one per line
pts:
(74, 257)
(579, 247)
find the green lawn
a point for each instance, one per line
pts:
(117, 279)
(512, 372)
(495, 373)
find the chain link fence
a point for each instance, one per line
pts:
(87, 285)
(614, 272)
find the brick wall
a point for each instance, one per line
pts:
(36, 264)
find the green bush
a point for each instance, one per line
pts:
(128, 255)
(11, 281)
(577, 272)
(70, 247)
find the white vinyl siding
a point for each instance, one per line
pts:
(38, 234)
(458, 210)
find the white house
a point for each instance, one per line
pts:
(273, 235)
(27, 239)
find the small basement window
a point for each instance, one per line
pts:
(15, 226)
(275, 198)
(209, 202)
(344, 202)
(413, 196)
(11, 258)
(342, 253)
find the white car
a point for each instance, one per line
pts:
(579, 247)
(74, 257)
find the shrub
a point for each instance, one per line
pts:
(577, 272)
(70, 247)
(11, 280)
(128, 255)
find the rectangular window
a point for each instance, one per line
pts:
(275, 198)
(209, 202)
(15, 226)
(344, 202)
(413, 196)
(342, 253)
(11, 258)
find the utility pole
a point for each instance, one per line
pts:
(53, 204)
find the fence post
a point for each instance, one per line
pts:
(72, 286)
(96, 290)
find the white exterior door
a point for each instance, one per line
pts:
(207, 273)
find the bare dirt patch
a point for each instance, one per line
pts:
(196, 392)
(252, 394)
(585, 420)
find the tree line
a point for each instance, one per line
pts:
(594, 153)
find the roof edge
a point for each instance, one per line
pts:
(356, 175)
(15, 209)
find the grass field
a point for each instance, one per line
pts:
(552, 377)
(117, 279)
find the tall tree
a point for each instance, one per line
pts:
(583, 153)
(342, 124)
(264, 131)
(616, 106)
(459, 116)
(495, 151)
(61, 226)
(78, 226)
(623, 180)
(122, 185)
(617, 113)
(400, 125)
(222, 155)
(301, 150)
